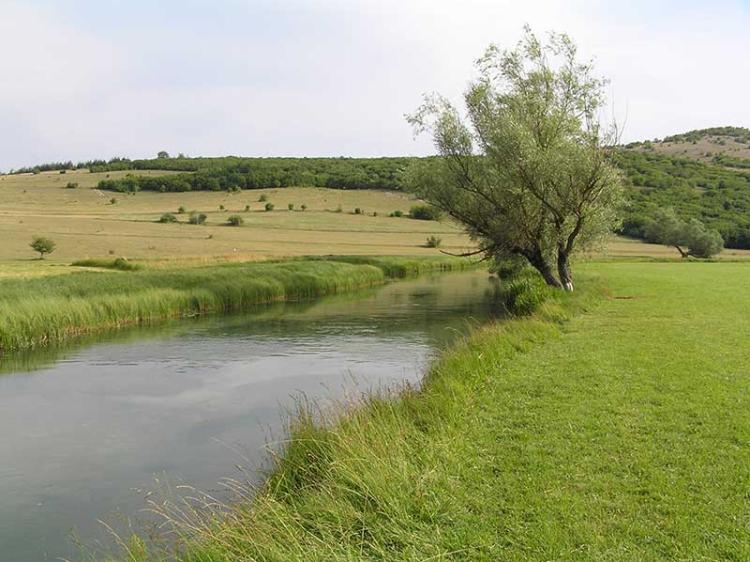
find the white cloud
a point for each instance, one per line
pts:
(81, 80)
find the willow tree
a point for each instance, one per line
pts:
(526, 170)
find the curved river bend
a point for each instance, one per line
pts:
(86, 430)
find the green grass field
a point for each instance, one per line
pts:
(613, 425)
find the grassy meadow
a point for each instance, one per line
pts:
(85, 224)
(614, 424)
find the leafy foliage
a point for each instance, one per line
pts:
(423, 212)
(42, 245)
(716, 196)
(690, 237)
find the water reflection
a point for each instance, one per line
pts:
(94, 423)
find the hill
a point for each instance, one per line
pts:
(727, 146)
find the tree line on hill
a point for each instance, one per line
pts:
(714, 195)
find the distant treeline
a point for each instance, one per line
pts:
(233, 173)
(717, 196)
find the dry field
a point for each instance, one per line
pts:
(704, 149)
(85, 224)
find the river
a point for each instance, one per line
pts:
(86, 430)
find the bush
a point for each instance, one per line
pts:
(358, 211)
(119, 263)
(235, 220)
(263, 198)
(181, 211)
(269, 206)
(197, 218)
(303, 207)
(113, 201)
(397, 213)
(168, 217)
(222, 208)
(43, 246)
(424, 212)
(290, 206)
(523, 294)
(71, 185)
(433, 242)
(247, 208)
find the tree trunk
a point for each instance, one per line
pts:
(538, 262)
(683, 253)
(563, 270)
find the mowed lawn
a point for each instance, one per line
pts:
(627, 437)
(620, 434)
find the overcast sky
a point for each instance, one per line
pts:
(87, 79)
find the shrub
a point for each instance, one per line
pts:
(358, 211)
(263, 198)
(168, 217)
(433, 242)
(197, 218)
(424, 212)
(71, 185)
(269, 206)
(221, 208)
(523, 294)
(42, 245)
(181, 211)
(247, 208)
(235, 220)
(113, 201)
(290, 206)
(303, 207)
(119, 263)
(397, 213)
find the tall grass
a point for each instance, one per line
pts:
(35, 312)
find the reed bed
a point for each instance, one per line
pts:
(40, 311)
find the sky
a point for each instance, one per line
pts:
(82, 79)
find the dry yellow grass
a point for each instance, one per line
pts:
(85, 224)
(704, 149)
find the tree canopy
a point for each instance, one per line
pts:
(527, 171)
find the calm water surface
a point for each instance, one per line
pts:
(85, 431)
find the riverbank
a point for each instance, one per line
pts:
(40, 311)
(611, 425)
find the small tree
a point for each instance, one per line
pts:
(43, 246)
(528, 174)
(290, 206)
(269, 206)
(162, 154)
(691, 238)
(235, 220)
(167, 218)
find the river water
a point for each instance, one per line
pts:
(86, 431)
